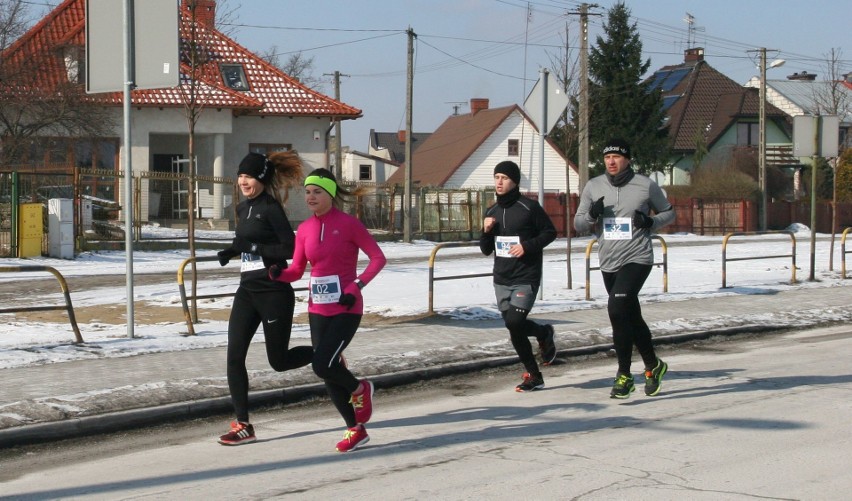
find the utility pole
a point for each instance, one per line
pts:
(761, 149)
(761, 139)
(583, 151)
(409, 98)
(338, 152)
(569, 224)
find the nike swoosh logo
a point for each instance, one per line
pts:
(272, 321)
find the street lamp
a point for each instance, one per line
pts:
(761, 147)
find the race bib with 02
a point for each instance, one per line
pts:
(325, 290)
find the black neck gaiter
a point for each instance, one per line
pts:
(621, 178)
(508, 198)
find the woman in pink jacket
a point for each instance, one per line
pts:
(330, 241)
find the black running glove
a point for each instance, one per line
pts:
(347, 300)
(642, 220)
(597, 208)
(275, 270)
(226, 255)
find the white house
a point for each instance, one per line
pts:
(463, 151)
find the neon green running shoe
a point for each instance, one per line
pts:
(623, 386)
(654, 377)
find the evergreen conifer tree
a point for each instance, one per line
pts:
(620, 102)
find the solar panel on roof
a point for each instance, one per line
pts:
(674, 78)
(659, 77)
(669, 101)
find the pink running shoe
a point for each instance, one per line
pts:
(353, 438)
(363, 402)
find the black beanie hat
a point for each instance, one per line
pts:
(618, 146)
(256, 166)
(510, 169)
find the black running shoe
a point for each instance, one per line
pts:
(623, 386)
(547, 346)
(531, 383)
(654, 377)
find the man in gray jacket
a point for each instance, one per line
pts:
(617, 207)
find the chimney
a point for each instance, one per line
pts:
(478, 104)
(693, 55)
(810, 77)
(205, 11)
(400, 135)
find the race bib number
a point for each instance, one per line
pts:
(503, 244)
(325, 289)
(617, 228)
(251, 262)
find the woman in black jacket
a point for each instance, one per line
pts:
(263, 237)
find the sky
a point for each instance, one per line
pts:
(401, 289)
(492, 49)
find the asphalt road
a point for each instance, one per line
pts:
(750, 417)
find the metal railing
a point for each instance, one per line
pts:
(68, 307)
(664, 263)
(843, 252)
(725, 257)
(433, 278)
(184, 298)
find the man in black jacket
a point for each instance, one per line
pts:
(517, 230)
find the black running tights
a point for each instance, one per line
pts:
(275, 310)
(520, 330)
(625, 315)
(330, 336)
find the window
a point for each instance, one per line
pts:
(234, 76)
(748, 134)
(513, 147)
(365, 172)
(75, 64)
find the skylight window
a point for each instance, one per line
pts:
(234, 76)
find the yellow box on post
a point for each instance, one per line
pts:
(30, 229)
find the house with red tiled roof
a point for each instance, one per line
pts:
(248, 104)
(463, 151)
(705, 107)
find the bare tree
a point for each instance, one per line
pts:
(297, 66)
(14, 21)
(563, 65)
(42, 91)
(833, 98)
(195, 52)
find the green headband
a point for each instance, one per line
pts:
(323, 182)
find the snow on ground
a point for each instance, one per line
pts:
(402, 289)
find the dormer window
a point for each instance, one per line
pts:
(74, 64)
(234, 76)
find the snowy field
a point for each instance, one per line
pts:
(402, 289)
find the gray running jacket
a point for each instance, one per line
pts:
(640, 193)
